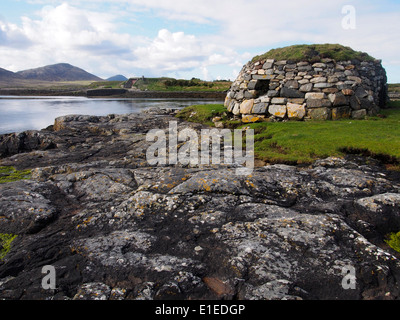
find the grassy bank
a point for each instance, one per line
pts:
(168, 84)
(303, 142)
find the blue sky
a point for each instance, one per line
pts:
(207, 39)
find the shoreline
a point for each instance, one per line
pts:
(117, 93)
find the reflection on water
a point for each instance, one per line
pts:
(34, 113)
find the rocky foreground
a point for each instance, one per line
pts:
(115, 228)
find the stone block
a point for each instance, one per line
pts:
(277, 110)
(332, 79)
(252, 85)
(315, 95)
(319, 113)
(330, 90)
(355, 103)
(318, 103)
(269, 71)
(341, 113)
(260, 108)
(319, 65)
(246, 106)
(291, 93)
(302, 64)
(243, 85)
(273, 85)
(249, 118)
(250, 94)
(359, 114)
(268, 65)
(236, 109)
(247, 77)
(322, 85)
(304, 68)
(303, 81)
(272, 93)
(263, 77)
(338, 99)
(278, 100)
(239, 95)
(355, 79)
(361, 93)
(227, 102)
(292, 84)
(219, 124)
(318, 80)
(296, 100)
(264, 99)
(306, 87)
(296, 111)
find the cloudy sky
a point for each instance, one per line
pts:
(208, 39)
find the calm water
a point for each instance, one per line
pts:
(18, 114)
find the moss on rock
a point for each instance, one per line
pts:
(314, 53)
(5, 244)
(10, 174)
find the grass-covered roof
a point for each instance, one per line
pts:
(314, 53)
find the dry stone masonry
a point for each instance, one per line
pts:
(326, 90)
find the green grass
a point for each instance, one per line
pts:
(10, 174)
(314, 53)
(106, 85)
(203, 113)
(170, 84)
(304, 142)
(5, 244)
(394, 241)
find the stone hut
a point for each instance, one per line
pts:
(319, 86)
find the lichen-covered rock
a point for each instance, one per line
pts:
(114, 227)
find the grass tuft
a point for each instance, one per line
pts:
(202, 113)
(394, 241)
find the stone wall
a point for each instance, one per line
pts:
(327, 90)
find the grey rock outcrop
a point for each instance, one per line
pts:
(116, 228)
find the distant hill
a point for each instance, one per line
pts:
(118, 77)
(6, 75)
(58, 72)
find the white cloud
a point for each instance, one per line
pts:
(179, 52)
(90, 40)
(80, 34)
(63, 34)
